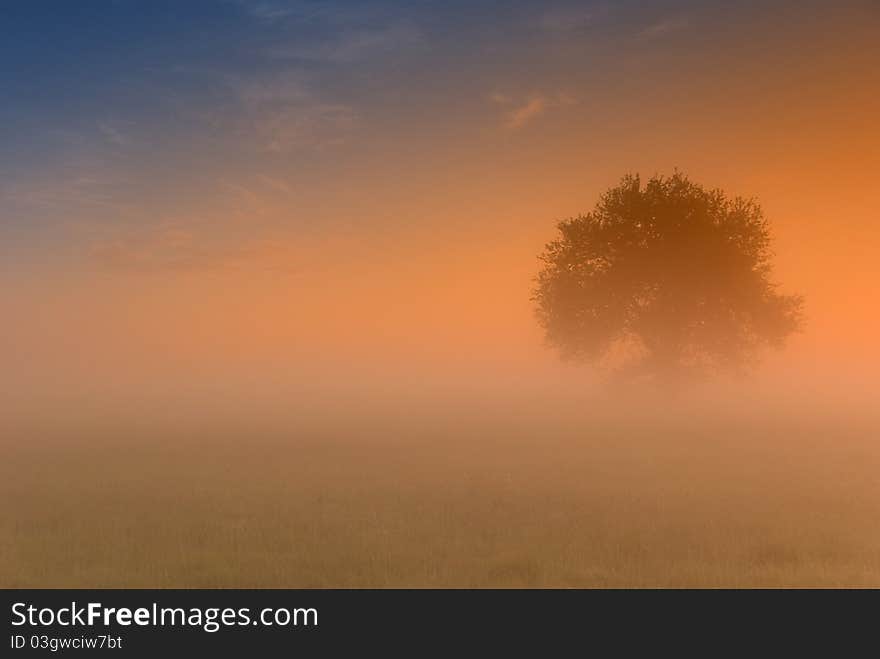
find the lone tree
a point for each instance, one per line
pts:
(665, 280)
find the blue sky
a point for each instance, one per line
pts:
(110, 103)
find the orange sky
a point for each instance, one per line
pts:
(400, 242)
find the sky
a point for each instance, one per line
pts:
(239, 194)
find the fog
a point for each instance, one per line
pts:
(261, 328)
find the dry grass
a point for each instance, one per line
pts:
(497, 499)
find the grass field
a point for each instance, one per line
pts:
(479, 498)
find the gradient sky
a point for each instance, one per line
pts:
(271, 189)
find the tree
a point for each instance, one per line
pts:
(666, 280)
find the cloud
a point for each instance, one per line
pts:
(530, 109)
(75, 186)
(665, 26)
(283, 113)
(276, 90)
(276, 184)
(303, 11)
(314, 124)
(352, 45)
(269, 10)
(115, 132)
(568, 19)
(287, 109)
(189, 247)
(533, 108)
(499, 98)
(256, 195)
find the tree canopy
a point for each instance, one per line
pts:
(663, 279)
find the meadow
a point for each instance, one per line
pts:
(472, 496)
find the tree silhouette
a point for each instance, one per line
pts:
(666, 280)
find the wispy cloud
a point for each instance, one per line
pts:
(116, 132)
(566, 19)
(519, 114)
(304, 11)
(665, 26)
(255, 195)
(189, 247)
(352, 45)
(284, 113)
(276, 184)
(284, 106)
(270, 10)
(66, 192)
